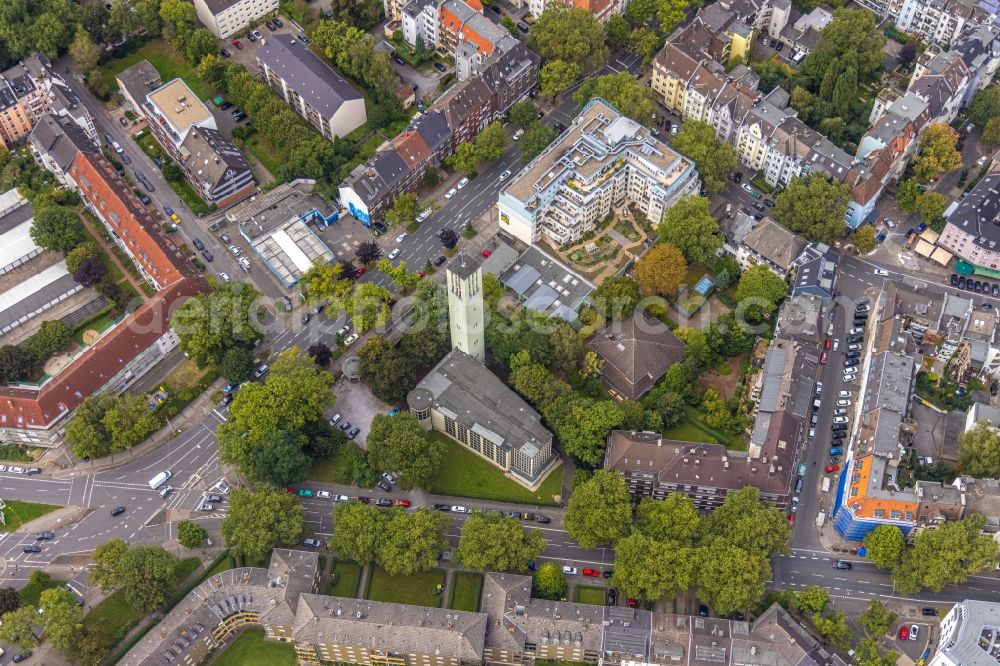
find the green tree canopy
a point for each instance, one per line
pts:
(749, 523)
(649, 569)
(886, 545)
(570, 35)
(259, 521)
(191, 535)
(813, 207)
(557, 75)
(584, 430)
(358, 531)
(876, 619)
(864, 239)
(403, 210)
(389, 372)
(979, 451)
(534, 140)
(674, 519)
(549, 582)
(494, 542)
(399, 444)
(491, 142)
(623, 92)
(57, 228)
(600, 510)
(616, 297)
(689, 227)
(715, 160)
(851, 39)
(729, 578)
(947, 555)
(524, 114)
(413, 541)
(210, 324)
(661, 270)
(938, 152)
(61, 618)
(763, 286)
(985, 105)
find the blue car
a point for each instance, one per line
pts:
(836, 451)
(168, 210)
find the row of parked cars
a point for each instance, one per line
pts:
(345, 427)
(977, 286)
(14, 469)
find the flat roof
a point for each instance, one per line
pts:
(33, 296)
(291, 249)
(176, 102)
(537, 272)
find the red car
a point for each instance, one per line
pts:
(236, 43)
(591, 572)
(632, 603)
(791, 520)
(831, 468)
(421, 274)
(822, 358)
(826, 345)
(361, 270)
(904, 633)
(403, 503)
(290, 491)
(486, 253)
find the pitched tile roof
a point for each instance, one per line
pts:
(637, 351)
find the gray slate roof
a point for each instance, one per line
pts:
(311, 78)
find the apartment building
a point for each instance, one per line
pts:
(715, 33)
(602, 10)
(973, 229)
(215, 167)
(225, 18)
(317, 93)
(772, 245)
(602, 162)
(969, 635)
(940, 21)
(942, 83)
(456, 116)
(172, 110)
(36, 415)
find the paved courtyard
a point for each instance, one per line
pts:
(358, 406)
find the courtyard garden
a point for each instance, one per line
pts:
(465, 591)
(419, 589)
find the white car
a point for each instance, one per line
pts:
(836, 344)
(518, 134)
(341, 498)
(840, 419)
(674, 129)
(235, 250)
(451, 193)
(462, 183)
(350, 339)
(850, 376)
(16, 470)
(844, 394)
(795, 504)
(569, 570)
(323, 494)
(222, 487)
(843, 402)
(747, 188)
(344, 330)
(3, 468)
(401, 237)
(460, 509)
(882, 272)
(889, 224)
(854, 347)
(857, 331)
(394, 254)
(819, 387)
(424, 215)
(224, 276)
(980, 162)
(505, 175)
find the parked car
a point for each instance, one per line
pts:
(831, 468)
(569, 570)
(460, 509)
(841, 564)
(312, 543)
(904, 632)
(592, 572)
(929, 611)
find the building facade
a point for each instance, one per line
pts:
(172, 110)
(969, 635)
(602, 162)
(215, 167)
(225, 18)
(465, 306)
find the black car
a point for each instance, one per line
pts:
(270, 26)
(929, 611)
(840, 434)
(703, 610)
(208, 255)
(855, 339)
(383, 501)
(442, 507)
(978, 286)
(995, 290)
(523, 27)
(612, 596)
(226, 105)
(45, 536)
(853, 354)
(227, 400)
(738, 176)
(117, 511)
(439, 67)
(608, 573)
(440, 260)
(969, 285)
(306, 317)
(396, 59)
(21, 656)
(379, 227)
(838, 426)
(851, 362)
(954, 279)
(33, 470)
(384, 485)
(240, 117)
(768, 203)
(278, 22)
(32, 549)
(353, 433)
(756, 205)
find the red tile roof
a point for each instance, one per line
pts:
(39, 409)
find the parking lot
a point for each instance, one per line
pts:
(356, 405)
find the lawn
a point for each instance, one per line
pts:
(32, 592)
(345, 578)
(251, 648)
(417, 590)
(186, 567)
(111, 619)
(265, 153)
(170, 64)
(17, 513)
(686, 431)
(332, 469)
(464, 474)
(465, 591)
(585, 594)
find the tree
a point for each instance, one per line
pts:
(368, 305)
(729, 578)
(57, 228)
(938, 152)
(623, 92)
(389, 373)
(851, 39)
(715, 160)
(867, 654)
(885, 545)
(200, 44)
(802, 101)
(600, 510)
(10, 600)
(846, 91)
(640, 12)
(813, 599)
(413, 541)
(947, 555)
(833, 627)
(129, 421)
(907, 55)
(649, 569)
(813, 207)
(402, 278)
(61, 618)
(237, 364)
(661, 270)
(876, 619)
(646, 43)
(400, 444)
(864, 239)
(979, 451)
(358, 531)
(146, 575)
(259, 521)
(104, 423)
(931, 207)
(83, 251)
(90, 272)
(671, 407)
(368, 252)
(549, 582)
(761, 289)
(524, 114)
(17, 628)
(674, 519)
(449, 238)
(464, 159)
(491, 142)
(570, 35)
(567, 348)
(320, 354)
(494, 542)
(991, 133)
(191, 535)
(616, 297)
(688, 226)
(15, 362)
(403, 210)
(906, 197)
(584, 430)
(210, 324)
(985, 105)
(556, 76)
(748, 523)
(83, 51)
(617, 31)
(535, 139)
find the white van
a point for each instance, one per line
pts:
(159, 479)
(117, 147)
